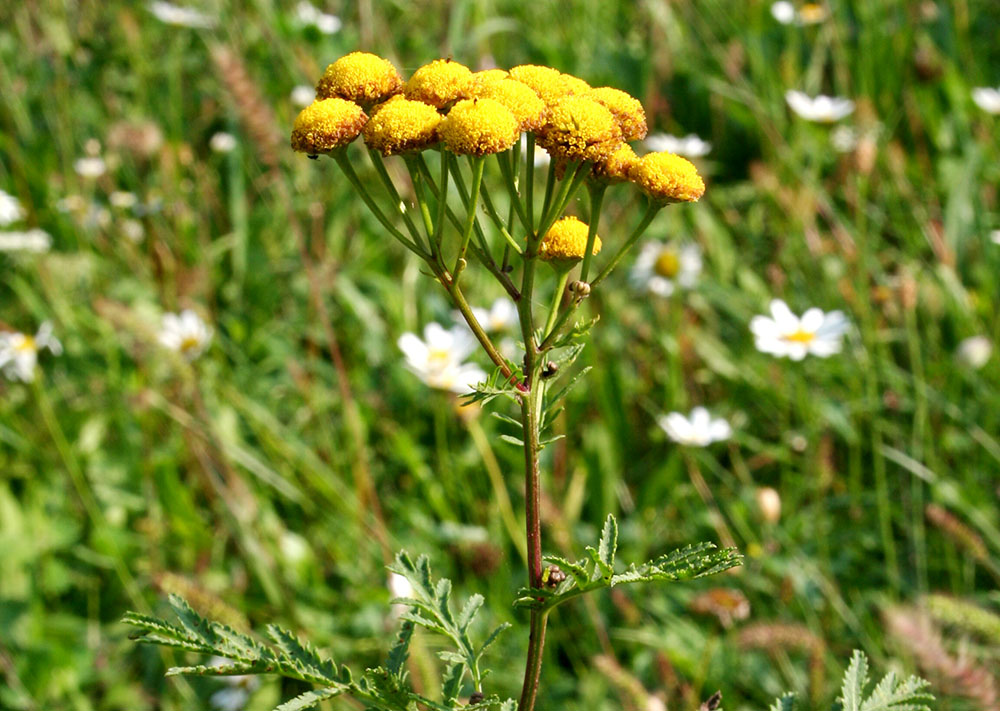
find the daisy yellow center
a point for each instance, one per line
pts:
(189, 343)
(27, 345)
(800, 336)
(438, 357)
(667, 264)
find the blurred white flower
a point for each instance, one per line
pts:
(10, 209)
(822, 109)
(542, 157)
(987, 98)
(90, 167)
(185, 333)
(34, 240)
(974, 351)
(690, 146)
(995, 236)
(19, 351)
(697, 430)
(662, 267)
(122, 199)
(71, 203)
(438, 358)
(399, 586)
(769, 503)
(133, 229)
(303, 95)
(844, 139)
(308, 14)
(809, 14)
(222, 142)
(181, 16)
(501, 316)
(238, 688)
(783, 334)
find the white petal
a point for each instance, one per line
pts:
(811, 320)
(834, 324)
(764, 327)
(787, 321)
(413, 348)
(720, 430)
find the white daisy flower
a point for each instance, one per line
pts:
(809, 14)
(303, 95)
(439, 358)
(19, 352)
(821, 109)
(222, 142)
(697, 430)
(662, 267)
(785, 335)
(90, 167)
(33, 240)
(501, 316)
(185, 333)
(308, 14)
(690, 146)
(987, 98)
(172, 14)
(974, 352)
(10, 209)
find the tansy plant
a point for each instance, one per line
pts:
(475, 204)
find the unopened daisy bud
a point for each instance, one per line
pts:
(400, 126)
(566, 241)
(769, 503)
(626, 109)
(580, 289)
(578, 128)
(666, 177)
(360, 77)
(479, 127)
(615, 168)
(440, 83)
(550, 84)
(326, 125)
(524, 103)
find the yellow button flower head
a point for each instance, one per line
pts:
(360, 77)
(566, 240)
(439, 83)
(625, 108)
(579, 128)
(615, 168)
(479, 127)
(550, 84)
(527, 108)
(488, 76)
(327, 124)
(666, 177)
(400, 126)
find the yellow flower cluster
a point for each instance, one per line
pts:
(566, 241)
(479, 113)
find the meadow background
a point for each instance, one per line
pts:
(273, 478)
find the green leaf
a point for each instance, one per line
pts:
(309, 699)
(855, 680)
(785, 702)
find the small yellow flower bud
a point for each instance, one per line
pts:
(327, 125)
(615, 168)
(440, 83)
(479, 127)
(487, 77)
(360, 77)
(666, 177)
(626, 109)
(527, 108)
(566, 241)
(400, 126)
(579, 128)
